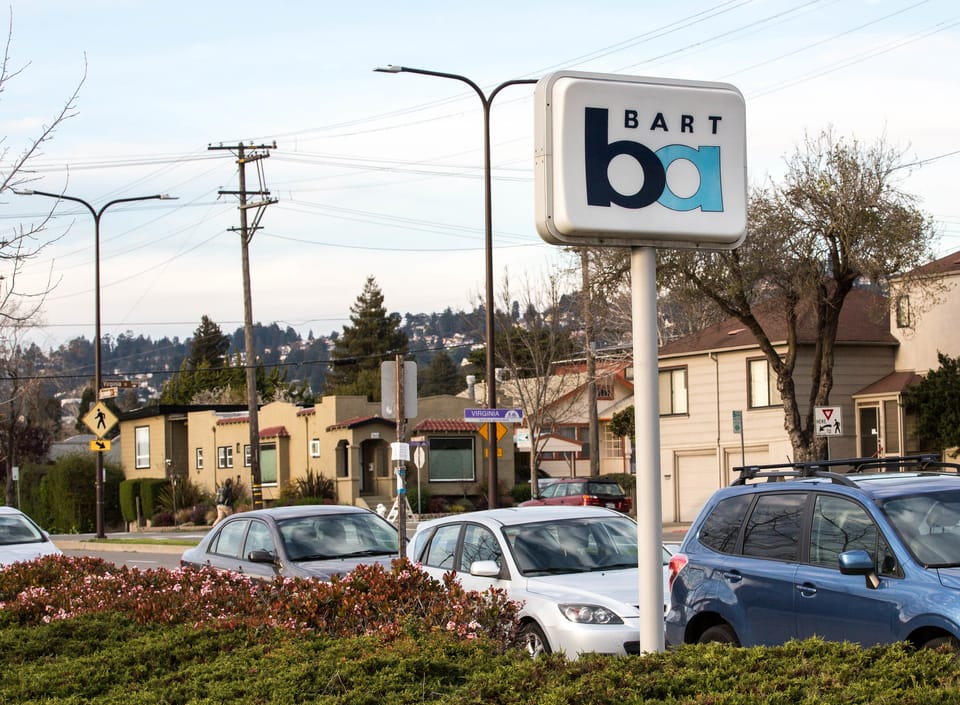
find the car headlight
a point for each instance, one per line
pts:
(589, 614)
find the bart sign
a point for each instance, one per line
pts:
(634, 161)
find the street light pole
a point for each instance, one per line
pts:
(491, 371)
(97, 365)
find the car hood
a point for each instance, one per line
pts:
(601, 587)
(26, 552)
(949, 577)
(326, 569)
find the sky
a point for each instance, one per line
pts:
(378, 174)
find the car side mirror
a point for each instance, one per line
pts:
(485, 569)
(859, 562)
(261, 556)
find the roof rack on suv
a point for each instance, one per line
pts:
(824, 468)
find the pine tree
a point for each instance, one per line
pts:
(372, 337)
(209, 347)
(441, 376)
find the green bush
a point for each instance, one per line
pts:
(520, 492)
(150, 491)
(65, 500)
(202, 637)
(129, 494)
(422, 495)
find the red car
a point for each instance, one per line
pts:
(584, 491)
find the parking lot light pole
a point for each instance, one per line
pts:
(491, 402)
(97, 366)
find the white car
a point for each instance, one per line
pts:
(573, 568)
(21, 539)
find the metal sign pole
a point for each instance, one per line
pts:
(643, 272)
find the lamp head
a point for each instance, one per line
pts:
(389, 68)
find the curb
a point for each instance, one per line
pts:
(73, 545)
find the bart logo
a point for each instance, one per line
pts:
(599, 152)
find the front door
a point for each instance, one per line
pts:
(869, 431)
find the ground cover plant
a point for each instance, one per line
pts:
(83, 631)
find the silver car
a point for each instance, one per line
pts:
(21, 539)
(573, 568)
(316, 541)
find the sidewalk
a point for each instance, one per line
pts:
(153, 539)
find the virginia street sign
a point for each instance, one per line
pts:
(493, 415)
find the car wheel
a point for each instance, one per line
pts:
(719, 634)
(939, 641)
(533, 639)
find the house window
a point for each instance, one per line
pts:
(225, 457)
(142, 447)
(605, 388)
(451, 459)
(315, 448)
(673, 391)
(268, 463)
(763, 384)
(199, 458)
(246, 456)
(612, 445)
(904, 319)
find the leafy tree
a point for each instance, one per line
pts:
(441, 376)
(935, 401)
(528, 351)
(838, 219)
(371, 337)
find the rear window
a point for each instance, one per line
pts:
(721, 529)
(610, 489)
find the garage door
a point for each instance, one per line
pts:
(696, 481)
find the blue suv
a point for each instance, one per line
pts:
(860, 550)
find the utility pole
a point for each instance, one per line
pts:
(250, 154)
(594, 422)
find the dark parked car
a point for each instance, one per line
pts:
(861, 550)
(317, 541)
(583, 491)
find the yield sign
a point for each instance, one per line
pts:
(828, 420)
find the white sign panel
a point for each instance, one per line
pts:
(828, 420)
(628, 161)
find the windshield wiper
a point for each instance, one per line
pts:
(557, 570)
(367, 552)
(314, 557)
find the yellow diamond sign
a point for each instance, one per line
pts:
(100, 420)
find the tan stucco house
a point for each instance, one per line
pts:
(340, 437)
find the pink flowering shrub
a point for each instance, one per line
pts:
(370, 600)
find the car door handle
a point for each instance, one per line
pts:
(734, 576)
(807, 589)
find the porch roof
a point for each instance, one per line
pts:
(434, 425)
(359, 421)
(893, 383)
(274, 432)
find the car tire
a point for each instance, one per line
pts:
(939, 641)
(719, 634)
(533, 639)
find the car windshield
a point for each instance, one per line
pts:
(574, 545)
(930, 526)
(16, 529)
(325, 536)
